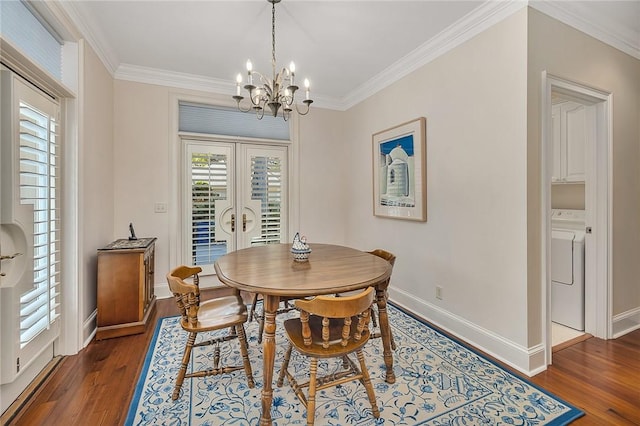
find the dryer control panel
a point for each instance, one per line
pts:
(568, 219)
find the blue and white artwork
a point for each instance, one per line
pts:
(397, 168)
(399, 171)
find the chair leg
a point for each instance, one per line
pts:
(258, 316)
(183, 367)
(252, 312)
(373, 318)
(375, 324)
(260, 319)
(245, 354)
(285, 366)
(311, 401)
(366, 381)
(345, 362)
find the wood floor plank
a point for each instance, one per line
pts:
(96, 386)
(601, 377)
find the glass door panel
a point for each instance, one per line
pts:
(237, 199)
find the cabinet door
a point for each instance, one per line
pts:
(149, 265)
(569, 134)
(557, 146)
(575, 133)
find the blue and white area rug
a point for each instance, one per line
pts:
(438, 382)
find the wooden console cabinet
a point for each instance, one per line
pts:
(126, 298)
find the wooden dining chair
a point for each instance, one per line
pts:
(257, 312)
(391, 258)
(330, 327)
(220, 312)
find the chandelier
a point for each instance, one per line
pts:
(279, 92)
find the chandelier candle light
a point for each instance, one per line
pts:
(276, 93)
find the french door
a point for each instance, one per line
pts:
(30, 233)
(235, 196)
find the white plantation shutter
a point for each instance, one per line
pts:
(209, 174)
(266, 186)
(40, 188)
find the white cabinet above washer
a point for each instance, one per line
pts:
(569, 133)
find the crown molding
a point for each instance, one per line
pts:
(580, 17)
(173, 79)
(472, 24)
(89, 30)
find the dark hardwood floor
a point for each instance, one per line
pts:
(95, 386)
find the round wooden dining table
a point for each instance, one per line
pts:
(271, 271)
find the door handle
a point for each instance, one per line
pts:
(9, 257)
(244, 222)
(233, 222)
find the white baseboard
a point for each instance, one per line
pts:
(89, 328)
(529, 361)
(162, 291)
(626, 322)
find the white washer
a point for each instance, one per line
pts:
(567, 267)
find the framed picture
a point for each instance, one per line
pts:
(399, 171)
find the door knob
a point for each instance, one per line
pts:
(9, 257)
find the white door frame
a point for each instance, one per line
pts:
(598, 190)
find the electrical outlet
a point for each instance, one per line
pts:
(438, 292)
(160, 208)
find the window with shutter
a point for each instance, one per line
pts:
(40, 189)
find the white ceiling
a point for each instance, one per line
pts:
(347, 49)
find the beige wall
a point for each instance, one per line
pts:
(141, 168)
(567, 53)
(474, 241)
(324, 173)
(567, 196)
(95, 169)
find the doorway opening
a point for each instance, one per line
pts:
(576, 201)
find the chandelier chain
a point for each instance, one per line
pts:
(273, 39)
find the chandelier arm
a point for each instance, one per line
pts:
(308, 103)
(238, 99)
